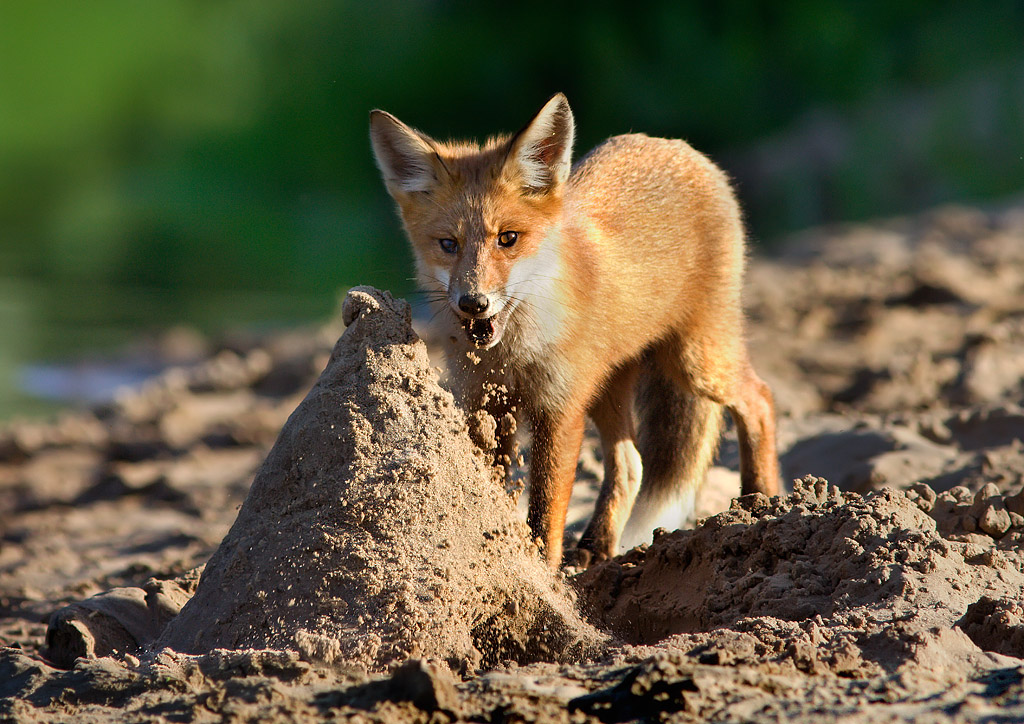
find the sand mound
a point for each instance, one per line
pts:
(375, 532)
(829, 580)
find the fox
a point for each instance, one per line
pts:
(607, 289)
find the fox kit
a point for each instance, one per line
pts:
(608, 289)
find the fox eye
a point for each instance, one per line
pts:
(450, 246)
(508, 238)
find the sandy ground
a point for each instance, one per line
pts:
(886, 587)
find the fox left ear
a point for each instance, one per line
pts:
(541, 153)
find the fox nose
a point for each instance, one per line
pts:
(473, 303)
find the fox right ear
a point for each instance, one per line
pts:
(404, 156)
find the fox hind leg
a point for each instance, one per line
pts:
(753, 410)
(720, 369)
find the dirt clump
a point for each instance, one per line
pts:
(123, 619)
(996, 624)
(375, 531)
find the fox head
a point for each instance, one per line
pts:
(479, 216)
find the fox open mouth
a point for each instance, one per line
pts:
(481, 332)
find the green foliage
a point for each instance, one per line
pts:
(223, 144)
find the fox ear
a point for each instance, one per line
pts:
(405, 157)
(541, 153)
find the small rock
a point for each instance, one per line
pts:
(926, 496)
(426, 685)
(960, 493)
(995, 521)
(983, 498)
(969, 523)
(1015, 503)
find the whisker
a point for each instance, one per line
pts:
(533, 296)
(433, 279)
(534, 277)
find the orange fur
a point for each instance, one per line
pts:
(619, 299)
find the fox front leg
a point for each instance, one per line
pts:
(557, 438)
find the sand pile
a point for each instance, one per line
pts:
(375, 531)
(830, 581)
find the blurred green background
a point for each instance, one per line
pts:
(206, 163)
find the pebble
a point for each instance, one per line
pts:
(926, 496)
(995, 521)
